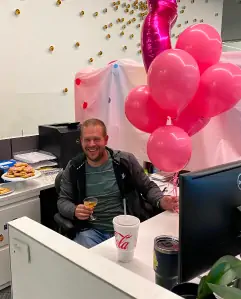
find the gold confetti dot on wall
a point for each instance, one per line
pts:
(77, 44)
(139, 52)
(58, 2)
(125, 48)
(122, 33)
(129, 22)
(138, 25)
(108, 36)
(114, 3)
(110, 25)
(65, 90)
(118, 2)
(179, 25)
(116, 7)
(201, 21)
(91, 60)
(133, 20)
(132, 35)
(105, 27)
(51, 48)
(128, 6)
(100, 53)
(122, 19)
(126, 10)
(96, 14)
(82, 13)
(182, 11)
(124, 27)
(105, 10)
(17, 12)
(118, 20)
(131, 12)
(124, 4)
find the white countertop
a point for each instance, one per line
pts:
(28, 189)
(166, 223)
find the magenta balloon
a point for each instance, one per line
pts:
(142, 111)
(156, 29)
(219, 90)
(189, 121)
(173, 79)
(203, 42)
(169, 148)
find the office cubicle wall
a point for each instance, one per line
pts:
(47, 265)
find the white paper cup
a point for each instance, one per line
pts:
(126, 229)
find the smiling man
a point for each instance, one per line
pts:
(112, 177)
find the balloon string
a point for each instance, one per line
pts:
(175, 184)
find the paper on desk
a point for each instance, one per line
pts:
(34, 157)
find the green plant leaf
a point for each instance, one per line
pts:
(217, 271)
(223, 272)
(225, 292)
(235, 264)
(203, 288)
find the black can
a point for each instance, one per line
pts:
(165, 261)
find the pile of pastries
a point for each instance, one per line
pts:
(20, 170)
(4, 190)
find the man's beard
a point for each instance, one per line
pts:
(98, 158)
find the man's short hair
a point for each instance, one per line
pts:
(94, 122)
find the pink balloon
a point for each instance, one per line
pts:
(203, 42)
(173, 79)
(156, 29)
(189, 121)
(219, 90)
(142, 111)
(169, 148)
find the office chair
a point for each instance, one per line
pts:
(65, 226)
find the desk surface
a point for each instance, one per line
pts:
(166, 223)
(28, 189)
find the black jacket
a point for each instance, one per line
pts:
(142, 195)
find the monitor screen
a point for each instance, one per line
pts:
(209, 225)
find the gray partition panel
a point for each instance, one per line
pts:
(231, 22)
(5, 149)
(22, 144)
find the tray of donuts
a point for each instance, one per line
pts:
(21, 172)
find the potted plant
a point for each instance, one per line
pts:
(219, 283)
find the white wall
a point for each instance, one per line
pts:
(32, 79)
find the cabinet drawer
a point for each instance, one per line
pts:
(29, 208)
(5, 274)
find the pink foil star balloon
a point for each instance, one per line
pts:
(156, 29)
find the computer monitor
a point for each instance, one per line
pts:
(210, 218)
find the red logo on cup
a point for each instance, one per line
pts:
(122, 241)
